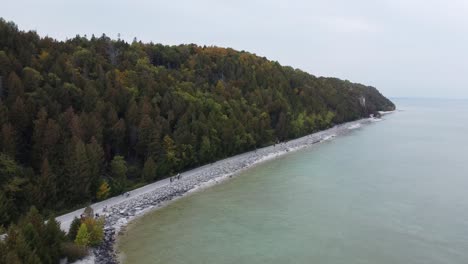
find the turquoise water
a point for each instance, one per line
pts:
(395, 191)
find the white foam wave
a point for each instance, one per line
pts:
(354, 126)
(328, 137)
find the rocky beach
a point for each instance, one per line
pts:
(118, 211)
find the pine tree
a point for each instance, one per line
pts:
(118, 136)
(53, 238)
(119, 173)
(95, 230)
(170, 153)
(149, 170)
(18, 114)
(18, 247)
(8, 140)
(145, 135)
(15, 87)
(205, 149)
(40, 125)
(79, 173)
(73, 230)
(47, 186)
(96, 163)
(31, 79)
(51, 146)
(6, 207)
(118, 168)
(82, 236)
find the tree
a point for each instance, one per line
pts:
(19, 115)
(82, 237)
(118, 136)
(47, 186)
(73, 230)
(95, 229)
(6, 207)
(96, 163)
(53, 238)
(33, 240)
(119, 173)
(8, 140)
(40, 125)
(15, 87)
(19, 250)
(170, 153)
(205, 149)
(149, 170)
(118, 168)
(103, 191)
(46, 136)
(78, 170)
(146, 130)
(31, 79)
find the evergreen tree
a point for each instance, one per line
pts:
(8, 140)
(73, 230)
(96, 230)
(96, 163)
(53, 237)
(47, 189)
(82, 237)
(170, 153)
(78, 170)
(145, 135)
(40, 125)
(15, 87)
(149, 170)
(119, 173)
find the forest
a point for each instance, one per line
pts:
(92, 117)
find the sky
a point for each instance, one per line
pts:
(405, 48)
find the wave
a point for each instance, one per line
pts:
(354, 126)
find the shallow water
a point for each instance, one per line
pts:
(394, 191)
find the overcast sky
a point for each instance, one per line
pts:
(405, 48)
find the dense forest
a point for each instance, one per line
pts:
(91, 117)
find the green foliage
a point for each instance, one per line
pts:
(74, 113)
(32, 241)
(8, 168)
(14, 196)
(118, 173)
(103, 191)
(90, 232)
(47, 190)
(79, 169)
(82, 237)
(73, 230)
(149, 170)
(8, 140)
(95, 229)
(171, 158)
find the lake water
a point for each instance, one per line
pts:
(394, 191)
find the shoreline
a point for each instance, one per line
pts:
(121, 210)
